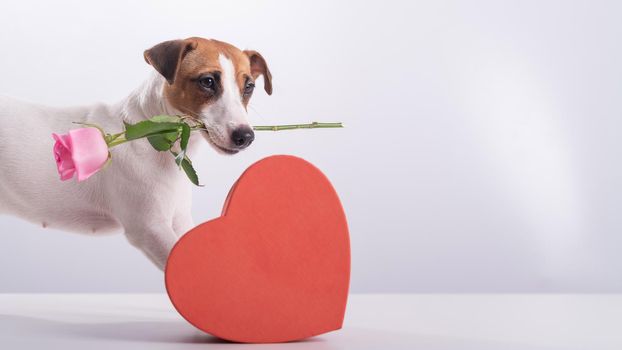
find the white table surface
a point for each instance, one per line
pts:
(373, 321)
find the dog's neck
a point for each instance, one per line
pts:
(146, 101)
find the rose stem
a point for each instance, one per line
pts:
(119, 138)
(297, 126)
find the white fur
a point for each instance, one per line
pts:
(228, 113)
(142, 192)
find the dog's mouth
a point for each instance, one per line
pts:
(218, 147)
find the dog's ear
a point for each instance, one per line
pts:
(166, 56)
(260, 67)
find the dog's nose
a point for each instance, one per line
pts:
(242, 137)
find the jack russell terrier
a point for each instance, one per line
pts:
(143, 192)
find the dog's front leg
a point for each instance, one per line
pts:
(154, 239)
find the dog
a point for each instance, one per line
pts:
(143, 192)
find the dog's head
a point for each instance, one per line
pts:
(212, 81)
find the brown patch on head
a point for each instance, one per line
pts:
(167, 56)
(188, 65)
(260, 67)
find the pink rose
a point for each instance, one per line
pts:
(83, 151)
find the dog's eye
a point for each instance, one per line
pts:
(248, 89)
(207, 83)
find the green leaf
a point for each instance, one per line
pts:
(163, 142)
(148, 128)
(186, 165)
(165, 119)
(185, 137)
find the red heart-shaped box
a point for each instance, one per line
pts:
(275, 266)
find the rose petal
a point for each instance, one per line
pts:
(62, 155)
(89, 151)
(64, 140)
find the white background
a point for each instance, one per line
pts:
(481, 154)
